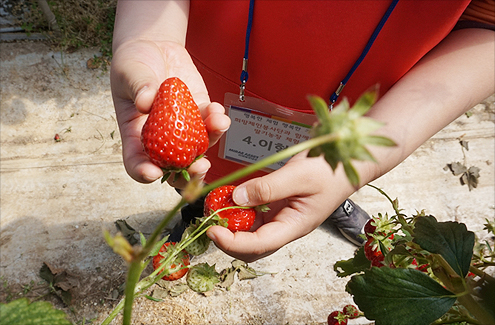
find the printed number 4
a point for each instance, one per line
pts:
(247, 139)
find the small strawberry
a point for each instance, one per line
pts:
(369, 228)
(337, 318)
(351, 311)
(373, 253)
(202, 277)
(199, 245)
(238, 219)
(174, 134)
(176, 269)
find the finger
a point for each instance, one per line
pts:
(134, 80)
(136, 163)
(251, 246)
(216, 122)
(297, 178)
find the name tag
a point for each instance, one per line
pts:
(260, 128)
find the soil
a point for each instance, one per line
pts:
(58, 196)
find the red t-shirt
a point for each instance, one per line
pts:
(307, 47)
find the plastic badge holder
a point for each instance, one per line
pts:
(260, 128)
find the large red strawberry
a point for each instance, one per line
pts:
(238, 219)
(174, 134)
(176, 268)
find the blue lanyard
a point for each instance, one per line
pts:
(336, 94)
(244, 73)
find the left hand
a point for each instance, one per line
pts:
(302, 195)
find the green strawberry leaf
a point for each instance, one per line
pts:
(449, 239)
(351, 173)
(320, 107)
(20, 311)
(142, 239)
(376, 140)
(399, 296)
(364, 103)
(156, 248)
(357, 264)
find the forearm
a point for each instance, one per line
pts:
(151, 20)
(451, 79)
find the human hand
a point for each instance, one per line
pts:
(138, 68)
(300, 200)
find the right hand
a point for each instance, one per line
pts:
(138, 68)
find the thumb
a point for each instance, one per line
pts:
(290, 180)
(134, 81)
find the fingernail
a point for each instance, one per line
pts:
(211, 235)
(140, 91)
(240, 196)
(152, 177)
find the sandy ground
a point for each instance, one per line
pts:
(56, 197)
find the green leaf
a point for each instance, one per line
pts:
(320, 108)
(156, 248)
(449, 239)
(366, 125)
(364, 103)
(142, 239)
(399, 296)
(377, 140)
(351, 173)
(357, 264)
(20, 311)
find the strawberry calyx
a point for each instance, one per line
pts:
(337, 318)
(167, 172)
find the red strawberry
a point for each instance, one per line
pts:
(369, 228)
(351, 311)
(373, 253)
(174, 134)
(181, 260)
(238, 219)
(337, 318)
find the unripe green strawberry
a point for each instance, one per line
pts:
(202, 277)
(174, 134)
(199, 245)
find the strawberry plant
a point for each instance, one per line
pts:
(340, 136)
(416, 270)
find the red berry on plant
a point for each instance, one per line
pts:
(337, 318)
(351, 311)
(238, 219)
(369, 228)
(176, 268)
(373, 253)
(174, 135)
